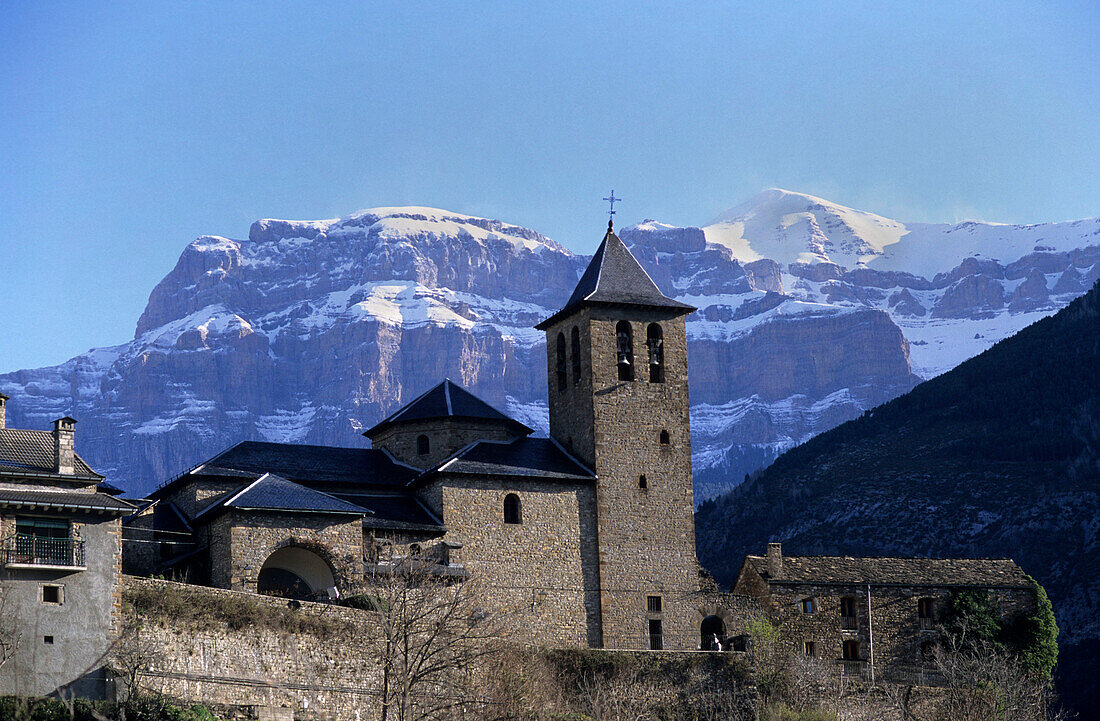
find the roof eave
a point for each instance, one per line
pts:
(677, 310)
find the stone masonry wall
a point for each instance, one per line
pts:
(646, 535)
(540, 573)
(446, 436)
(253, 536)
(334, 678)
(893, 632)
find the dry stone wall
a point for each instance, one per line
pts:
(332, 675)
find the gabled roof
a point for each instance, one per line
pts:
(32, 452)
(535, 458)
(272, 493)
(398, 512)
(848, 570)
(447, 400)
(303, 463)
(63, 501)
(614, 276)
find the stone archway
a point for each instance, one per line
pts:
(296, 572)
(709, 628)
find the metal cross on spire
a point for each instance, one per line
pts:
(611, 214)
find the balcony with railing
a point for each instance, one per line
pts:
(27, 551)
(854, 667)
(849, 623)
(927, 623)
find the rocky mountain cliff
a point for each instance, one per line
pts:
(310, 331)
(999, 457)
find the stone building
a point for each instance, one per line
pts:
(61, 542)
(585, 538)
(876, 617)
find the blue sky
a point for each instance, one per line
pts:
(128, 129)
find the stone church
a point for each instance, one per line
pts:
(588, 535)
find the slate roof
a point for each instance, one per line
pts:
(64, 501)
(614, 276)
(397, 512)
(536, 458)
(26, 451)
(272, 493)
(303, 463)
(447, 400)
(848, 570)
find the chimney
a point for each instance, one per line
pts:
(3, 411)
(64, 456)
(775, 560)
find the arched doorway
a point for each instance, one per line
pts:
(294, 572)
(710, 627)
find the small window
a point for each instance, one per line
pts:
(808, 605)
(512, 509)
(51, 594)
(653, 604)
(624, 351)
(642, 482)
(48, 640)
(656, 345)
(810, 649)
(656, 640)
(561, 362)
(851, 650)
(928, 651)
(664, 438)
(575, 342)
(415, 549)
(924, 608)
(423, 445)
(848, 607)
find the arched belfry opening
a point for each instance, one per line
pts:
(655, 343)
(295, 572)
(624, 350)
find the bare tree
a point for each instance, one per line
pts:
(11, 636)
(436, 641)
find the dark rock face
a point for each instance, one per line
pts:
(970, 295)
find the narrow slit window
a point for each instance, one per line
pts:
(423, 445)
(665, 440)
(642, 482)
(575, 342)
(810, 649)
(561, 362)
(512, 511)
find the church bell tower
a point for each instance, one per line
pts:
(618, 396)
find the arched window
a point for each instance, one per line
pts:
(423, 445)
(575, 342)
(664, 438)
(656, 343)
(624, 351)
(561, 361)
(642, 482)
(511, 509)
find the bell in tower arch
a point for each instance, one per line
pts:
(624, 351)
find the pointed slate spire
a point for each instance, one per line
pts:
(615, 277)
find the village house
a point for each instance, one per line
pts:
(59, 587)
(876, 617)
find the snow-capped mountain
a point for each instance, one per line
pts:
(310, 331)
